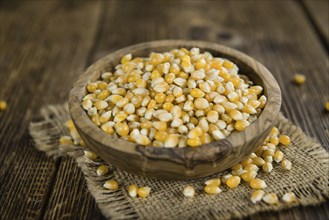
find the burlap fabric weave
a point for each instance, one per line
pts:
(308, 179)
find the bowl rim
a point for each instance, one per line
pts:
(187, 156)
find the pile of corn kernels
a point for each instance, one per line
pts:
(267, 157)
(173, 99)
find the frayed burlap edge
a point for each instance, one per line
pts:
(309, 179)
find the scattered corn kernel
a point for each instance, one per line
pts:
(257, 196)
(102, 170)
(286, 164)
(215, 181)
(111, 185)
(271, 199)
(3, 105)
(189, 191)
(289, 197)
(144, 192)
(233, 181)
(299, 79)
(90, 155)
(132, 190)
(258, 184)
(212, 189)
(285, 140)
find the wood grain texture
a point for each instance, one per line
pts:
(275, 32)
(318, 12)
(176, 163)
(43, 45)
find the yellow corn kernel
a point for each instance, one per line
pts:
(246, 161)
(228, 64)
(65, 140)
(102, 170)
(289, 197)
(170, 77)
(155, 74)
(144, 192)
(120, 116)
(151, 104)
(284, 140)
(167, 106)
(271, 198)
(233, 181)
(95, 119)
(326, 106)
(126, 58)
(174, 69)
(195, 132)
(197, 93)
(160, 136)
(111, 185)
(183, 75)
(132, 190)
(90, 155)
(258, 184)
(156, 58)
(278, 156)
(251, 167)
(205, 138)
(258, 161)
(188, 191)
(140, 83)
(171, 141)
(286, 164)
(241, 125)
(121, 128)
(299, 79)
(212, 189)
(3, 105)
(91, 87)
(249, 175)
(193, 142)
(160, 125)
(146, 124)
(215, 181)
(69, 124)
(115, 98)
(142, 140)
(201, 103)
(249, 109)
(257, 196)
(274, 140)
(236, 115)
(274, 132)
(101, 85)
(103, 94)
(267, 167)
(107, 128)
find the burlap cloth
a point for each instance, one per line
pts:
(308, 179)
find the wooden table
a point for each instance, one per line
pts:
(45, 45)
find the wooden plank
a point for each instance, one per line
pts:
(44, 46)
(318, 12)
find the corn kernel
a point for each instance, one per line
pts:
(286, 164)
(215, 181)
(285, 140)
(111, 185)
(171, 141)
(233, 182)
(121, 128)
(271, 198)
(144, 192)
(212, 189)
(267, 167)
(189, 191)
(289, 197)
(90, 155)
(326, 106)
(278, 156)
(257, 184)
(249, 175)
(193, 142)
(241, 125)
(299, 79)
(65, 140)
(102, 170)
(257, 196)
(132, 190)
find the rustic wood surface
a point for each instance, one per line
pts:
(46, 45)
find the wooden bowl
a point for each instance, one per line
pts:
(176, 163)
